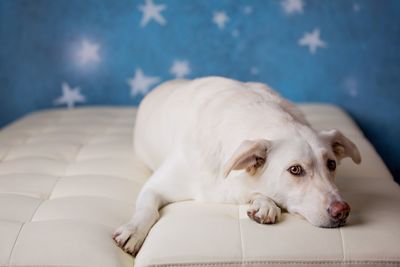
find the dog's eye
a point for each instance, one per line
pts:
(331, 164)
(296, 170)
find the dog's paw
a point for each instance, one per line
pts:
(264, 211)
(129, 238)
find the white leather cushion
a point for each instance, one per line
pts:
(68, 179)
(193, 234)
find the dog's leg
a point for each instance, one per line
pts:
(166, 185)
(130, 236)
(263, 209)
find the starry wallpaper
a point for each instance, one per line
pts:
(71, 53)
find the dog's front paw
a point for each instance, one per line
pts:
(129, 238)
(264, 210)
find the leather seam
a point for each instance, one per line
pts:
(240, 235)
(15, 243)
(277, 262)
(343, 248)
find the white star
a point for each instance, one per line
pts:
(152, 12)
(235, 33)
(70, 96)
(220, 18)
(312, 40)
(180, 68)
(141, 83)
(254, 70)
(247, 10)
(356, 7)
(88, 52)
(293, 6)
(351, 86)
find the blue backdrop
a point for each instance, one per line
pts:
(56, 53)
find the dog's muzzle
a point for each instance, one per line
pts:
(338, 212)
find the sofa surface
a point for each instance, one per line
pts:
(68, 178)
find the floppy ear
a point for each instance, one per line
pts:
(341, 145)
(251, 155)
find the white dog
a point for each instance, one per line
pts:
(220, 140)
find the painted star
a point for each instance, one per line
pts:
(141, 83)
(88, 52)
(254, 71)
(150, 12)
(293, 6)
(220, 18)
(351, 86)
(70, 96)
(312, 40)
(180, 68)
(235, 33)
(247, 10)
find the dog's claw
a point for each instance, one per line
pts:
(129, 239)
(264, 211)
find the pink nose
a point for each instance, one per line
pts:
(339, 211)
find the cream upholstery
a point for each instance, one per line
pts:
(68, 179)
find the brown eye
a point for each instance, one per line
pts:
(296, 170)
(331, 164)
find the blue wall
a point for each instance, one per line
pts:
(355, 66)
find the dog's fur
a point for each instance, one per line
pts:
(220, 140)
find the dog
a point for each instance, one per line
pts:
(223, 141)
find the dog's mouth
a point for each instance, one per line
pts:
(334, 225)
(330, 224)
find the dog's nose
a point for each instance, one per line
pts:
(339, 211)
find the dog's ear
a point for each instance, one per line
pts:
(250, 155)
(341, 145)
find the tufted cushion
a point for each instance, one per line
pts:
(68, 178)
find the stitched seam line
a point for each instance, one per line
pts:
(343, 250)
(61, 176)
(37, 208)
(69, 164)
(33, 214)
(241, 236)
(15, 242)
(277, 262)
(23, 224)
(44, 265)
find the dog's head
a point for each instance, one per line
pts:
(299, 173)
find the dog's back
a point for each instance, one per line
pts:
(224, 141)
(205, 113)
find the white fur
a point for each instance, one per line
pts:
(188, 132)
